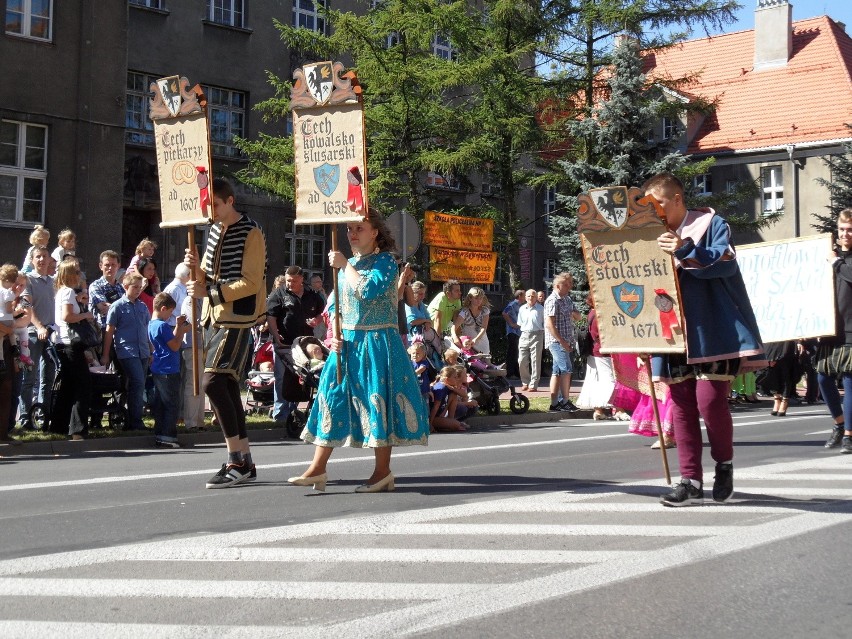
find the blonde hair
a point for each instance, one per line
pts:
(453, 352)
(39, 233)
(68, 271)
(144, 243)
(8, 273)
(416, 347)
(477, 292)
(66, 234)
(447, 372)
(131, 278)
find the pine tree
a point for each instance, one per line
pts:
(618, 134)
(839, 189)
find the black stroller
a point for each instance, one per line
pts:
(300, 381)
(260, 383)
(486, 386)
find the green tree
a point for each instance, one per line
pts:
(839, 189)
(618, 131)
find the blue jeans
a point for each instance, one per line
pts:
(166, 404)
(828, 388)
(561, 359)
(134, 369)
(281, 409)
(38, 382)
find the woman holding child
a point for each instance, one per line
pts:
(377, 404)
(472, 320)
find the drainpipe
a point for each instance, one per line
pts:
(794, 167)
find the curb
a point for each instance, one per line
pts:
(63, 448)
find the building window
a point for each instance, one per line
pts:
(151, 4)
(30, 18)
(446, 181)
(549, 203)
(441, 47)
(669, 128)
(304, 246)
(306, 15)
(226, 111)
(139, 129)
(702, 185)
(549, 269)
(227, 12)
(772, 183)
(23, 171)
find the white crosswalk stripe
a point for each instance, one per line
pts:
(433, 567)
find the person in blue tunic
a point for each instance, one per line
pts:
(377, 404)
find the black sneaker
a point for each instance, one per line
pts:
(683, 494)
(555, 408)
(835, 437)
(252, 473)
(229, 475)
(846, 445)
(567, 406)
(723, 486)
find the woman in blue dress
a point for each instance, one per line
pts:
(377, 404)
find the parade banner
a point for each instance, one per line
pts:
(632, 281)
(183, 153)
(328, 140)
(791, 287)
(473, 267)
(454, 231)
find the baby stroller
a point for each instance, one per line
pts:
(260, 383)
(301, 381)
(486, 386)
(107, 397)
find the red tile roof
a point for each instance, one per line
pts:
(809, 101)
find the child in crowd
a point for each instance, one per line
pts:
(146, 249)
(127, 328)
(39, 237)
(11, 310)
(443, 404)
(422, 368)
(451, 357)
(23, 315)
(466, 405)
(479, 361)
(316, 357)
(66, 245)
(165, 368)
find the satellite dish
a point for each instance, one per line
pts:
(406, 232)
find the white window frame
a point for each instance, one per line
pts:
(145, 134)
(772, 189)
(150, 4)
(305, 17)
(702, 185)
(312, 237)
(669, 126)
(442, 47)
(549, 204)
(26, 12)
(21, 173)
(224, 146)
(231, 13)
(550, 269)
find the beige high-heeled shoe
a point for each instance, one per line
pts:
(317, 481)
(382, 485)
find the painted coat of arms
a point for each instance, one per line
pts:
(327, 177)
(170, 88)
(630, 298)
(319, 78)
(611, 203)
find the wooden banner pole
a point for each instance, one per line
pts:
(193, 315)
(337, 330)
(647, 361)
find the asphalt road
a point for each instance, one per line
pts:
(534, 530)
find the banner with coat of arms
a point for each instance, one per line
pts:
(328, 140)
(632, 281)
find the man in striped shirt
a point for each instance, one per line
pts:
(232, 282)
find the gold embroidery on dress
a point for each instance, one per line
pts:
(325, 415)
(381, 409)
(363, 416)
(407, 408)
